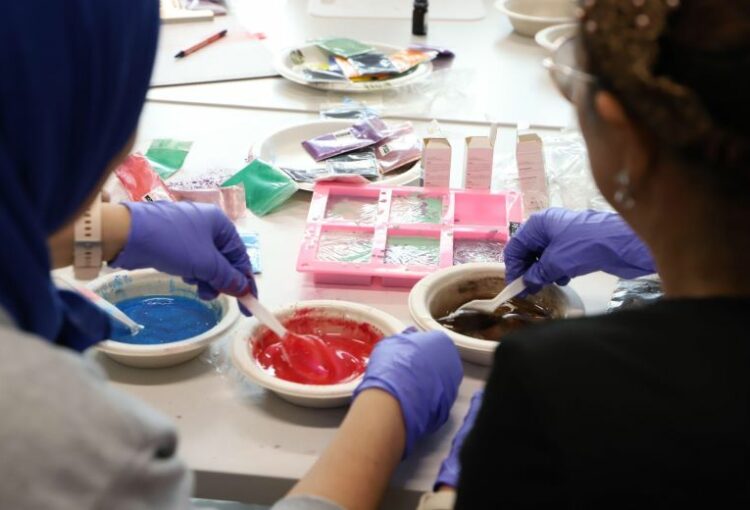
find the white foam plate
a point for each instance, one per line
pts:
(312, 53)
(551, 37)
(284, 149)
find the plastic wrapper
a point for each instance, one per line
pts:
(402, 147)
(362, 164)
(357, 209)
(347, 109)
(266, 187)
(405, 60)
(140, 181)
(363, 133)
(252, 244)
(416, 208)
(412, 251)
(343, 47)
(313, 75)
(343, 246)
(466, 251)
(569, 178)
(307, 175)
(372, 64)
(207, 189)
(635, 294)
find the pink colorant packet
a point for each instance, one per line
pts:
(400, 148)
(207, 189)
(140, 181)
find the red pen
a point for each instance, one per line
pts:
(202, 44)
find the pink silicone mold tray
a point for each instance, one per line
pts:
(356, 234)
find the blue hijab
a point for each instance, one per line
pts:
(73, 79)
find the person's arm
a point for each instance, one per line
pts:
(354, 471)
(115, 229)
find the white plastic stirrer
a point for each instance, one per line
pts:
(103, 305)
(489, 306)
(263, 315)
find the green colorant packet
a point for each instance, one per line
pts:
(266, 187)
(343, 47)
(167, 156)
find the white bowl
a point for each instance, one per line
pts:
(310, 395)
(447, 289)
(530, 16)
(284, 149)
(127, 284)
(285, 67)
(551, 37)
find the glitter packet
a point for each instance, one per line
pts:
(363, 133)
(342, 46)
(400, 148)
(266, 187)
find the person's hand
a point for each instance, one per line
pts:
(422, 371)
(556, 245)
(195, 241)
(450, 469)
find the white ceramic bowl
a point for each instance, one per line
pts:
(447, 289)
(284, 148)
(127, 284)
(551, 37)
(310, 395)
(530, 16)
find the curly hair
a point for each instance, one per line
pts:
(681, 68)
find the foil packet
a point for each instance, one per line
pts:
(343, 46)
(361, 134)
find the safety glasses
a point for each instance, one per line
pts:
(562, 66)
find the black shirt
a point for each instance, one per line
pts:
(626, 410)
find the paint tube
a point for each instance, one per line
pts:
(363, 133)
(140, 181)
(402, 147)
(266, 187)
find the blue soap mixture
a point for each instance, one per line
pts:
(165, 319)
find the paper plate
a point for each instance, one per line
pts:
(551, 37)
(312, 53)
(284, 149)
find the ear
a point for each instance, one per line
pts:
(639, 152)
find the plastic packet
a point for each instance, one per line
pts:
(308, 175)
(400, 148)
(347, 109)
(140, 181)
(361, 134)
(313, 75)
(362, 164)
(373, 64)
(407, 59)
(266, 187)
(252, 243)
(442, 51)
(167, 156)
(206, 189)
(343, 46)
(635, 293)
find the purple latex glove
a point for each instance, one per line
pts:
(195, 241)
(420, 370)
(450, 469)
(556, 245)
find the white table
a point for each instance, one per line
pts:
(497, 75)
(244, 443)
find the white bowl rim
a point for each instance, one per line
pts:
(502, 7)
(139, 350)
(245, 363)
(542, 37)
(423, 318)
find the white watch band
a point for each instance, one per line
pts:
(442, 500)
(87, 247)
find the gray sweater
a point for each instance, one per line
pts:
(69, 440)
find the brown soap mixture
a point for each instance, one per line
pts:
(511, 316)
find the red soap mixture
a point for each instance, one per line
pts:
(351, 341)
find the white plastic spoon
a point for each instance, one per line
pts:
(489, 306)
